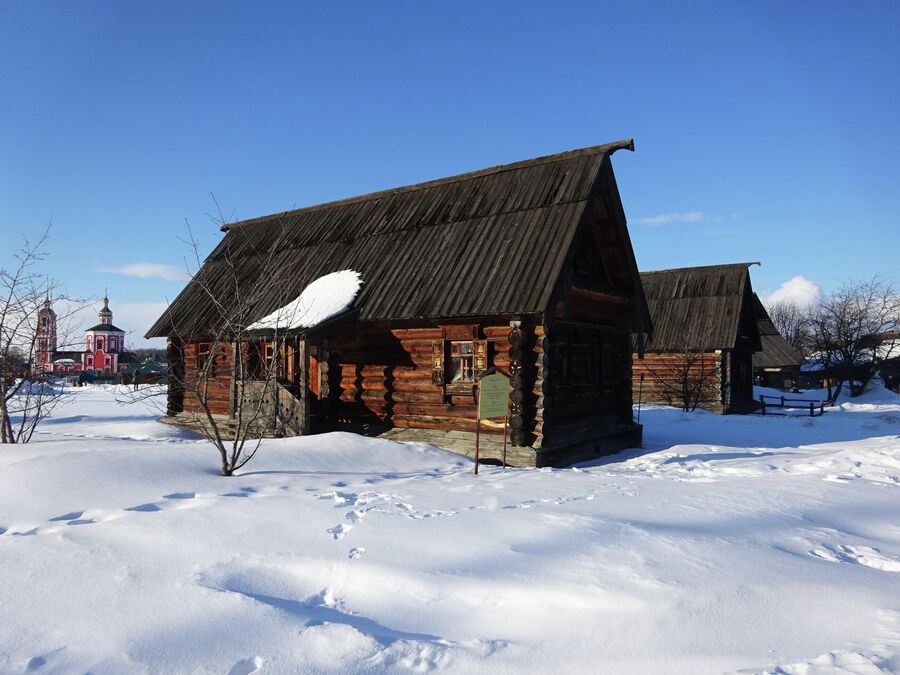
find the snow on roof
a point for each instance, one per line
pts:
(322, 299)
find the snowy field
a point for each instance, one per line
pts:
(748, 544)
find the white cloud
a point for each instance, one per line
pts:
(146, 270)
(135, 318)
(665, 218)
(798, 290)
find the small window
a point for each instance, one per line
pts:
(99, 343)
(607, 368)
(588, 262)
(203, 358)
(462, 362)
(582, 368)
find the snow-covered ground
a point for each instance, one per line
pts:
(728, 544)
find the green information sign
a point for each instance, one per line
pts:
(493, 396)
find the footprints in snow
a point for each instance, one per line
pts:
(67, 516)
(246, 666)
(171, 501)
(859, 555)
(180, 495)
(381, 502)
(361, 504)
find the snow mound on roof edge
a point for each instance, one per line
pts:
(323, 298)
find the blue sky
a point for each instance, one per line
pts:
(763, 131)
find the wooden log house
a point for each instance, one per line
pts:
(527, 267)
(777, 363)
(704, 334)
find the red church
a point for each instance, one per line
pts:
(104, 346)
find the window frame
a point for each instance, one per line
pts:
(204, 357)
(465, 359)
(442, 358)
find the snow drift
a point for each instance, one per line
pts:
(750, 544)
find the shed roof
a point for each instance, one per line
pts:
(696, 307)
(776, 352)
(489, 242)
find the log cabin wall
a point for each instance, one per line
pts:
(739, 379)
(668, 367)
(588, 376)
(218, 385)
(384, 375)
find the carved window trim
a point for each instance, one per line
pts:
(442, 359)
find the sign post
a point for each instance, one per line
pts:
(493, 402)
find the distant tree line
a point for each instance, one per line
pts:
(851, 331)
(150, 354)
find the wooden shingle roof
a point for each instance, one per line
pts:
(776, 352)
(696, 307)
(490, 242)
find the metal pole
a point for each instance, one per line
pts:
(640, 394)
(505, 425)
(477, 435)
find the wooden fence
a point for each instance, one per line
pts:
(816, 408)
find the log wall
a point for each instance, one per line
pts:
(217, 387)
(659, 368)
(596, 384)
(384, 376)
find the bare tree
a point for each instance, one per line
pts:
(686, 375)
(27, 396)
(226, 374)
(848, 328)
(793, 322)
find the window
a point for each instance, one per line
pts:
(204, 350)
(607, 367)
(588, 262)
(581, 364)
(462, 362)
(99, 343)
(457, 364)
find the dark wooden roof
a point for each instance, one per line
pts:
(490, 242)
(776, 352)
(697, 307)
(104, 327)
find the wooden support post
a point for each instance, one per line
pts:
(303, 353)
